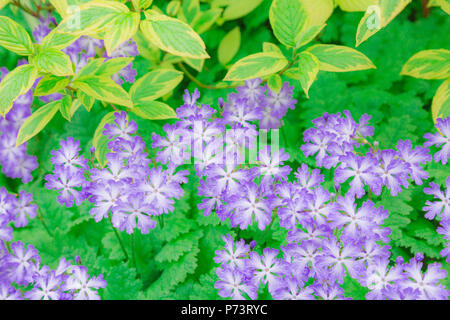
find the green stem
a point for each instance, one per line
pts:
(120, 241)
(41, 219)
(26, 9)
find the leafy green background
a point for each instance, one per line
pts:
(175, 261)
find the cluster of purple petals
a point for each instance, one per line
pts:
(14, 160)
(85, 48)
(336, 141)
(22, 276)
(315, 269)
(15, 209)
(254, 101)
(128, 190)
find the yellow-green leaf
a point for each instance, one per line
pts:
(205, 20)
(91, 17)
(354, 5)
(142, 4)
(100, 141)
(308, 67)
(50, 84)
(240, 8)
(174, 36)
(274, 82)
(37, 121)
(58, 40)
(196, 64)
(4, 3)
(444, 4)
(428, 64)
(104, 68)
(54, 61)
(270, 47)
(309, 34)
(155, 84)
(340, 58)
(378, 16)
(122, 28)
(104, 89)
(440, 108)
(173, 7)
(65, 106)
(154, 110)
(229, 46)
(256, 65)
(288, 18)
(318, 11)
(85, 100)
(16, 83)
(14, 37)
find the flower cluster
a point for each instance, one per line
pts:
(14, 160)
(127, 188)
(22, 276)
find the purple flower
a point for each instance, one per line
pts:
(45, 288)
(82, 286)
(23, 262)
(24, 209)
(414, 157)
(68, 156)
(69, 186)
(121, 127)
(234, 255)
(380, 276)
(440, 138)
(362, 171)
(393, 171)
(233, 284)
(134, 213)
(440, 207)
(444, 229)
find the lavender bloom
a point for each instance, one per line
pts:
(444, 229)
(234, 256)
(414, 157)
(24, 209)
(68, 184)
(440, 207)
(267, 268)
(134, 213)
(379, 277)
(68, 156)
(233, 284)
(362, 171)
(22, 263)
(82, 286)
(440, 138)
(394, 172)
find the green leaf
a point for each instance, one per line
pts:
(103, 89)
(308, 35)
(54, 61)
(173, 36)
(240, 8)
(58, 40)
(37, 121)
(256, 65)
(229, 46)
(196, 64)
(378, 16)
(270, 47)
(50, 84)
(428, 64)
(154, 110)
(122, 283)
(274, 82)
(142, 4)
(340, 58)
(190, 9)
(308, 67)
(354, 5)
(205, 20)
(14, 37)
(177, 248)
(100, 141)
(104, 68)
(122, 28)
(440, 108)
(16, 83)
(155, 84)
(69, 107)
(288, 18)
(64, 107)
(91, 18)
(86, 100)
(318, 11)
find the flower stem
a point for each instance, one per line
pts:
(120, 241)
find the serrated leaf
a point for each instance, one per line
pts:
(121, 283)
(256, 65)
(336, 58)
(154, 85)
(428, 64)
(308, 68)
(37, 121)
(16, 83)
(154, 110)
(104, 89)
(122, 28)
(50, 84)
(172, 251)
(229, 46)
(14, 37)
(288, 18)
(173, 36)
(53, 61)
